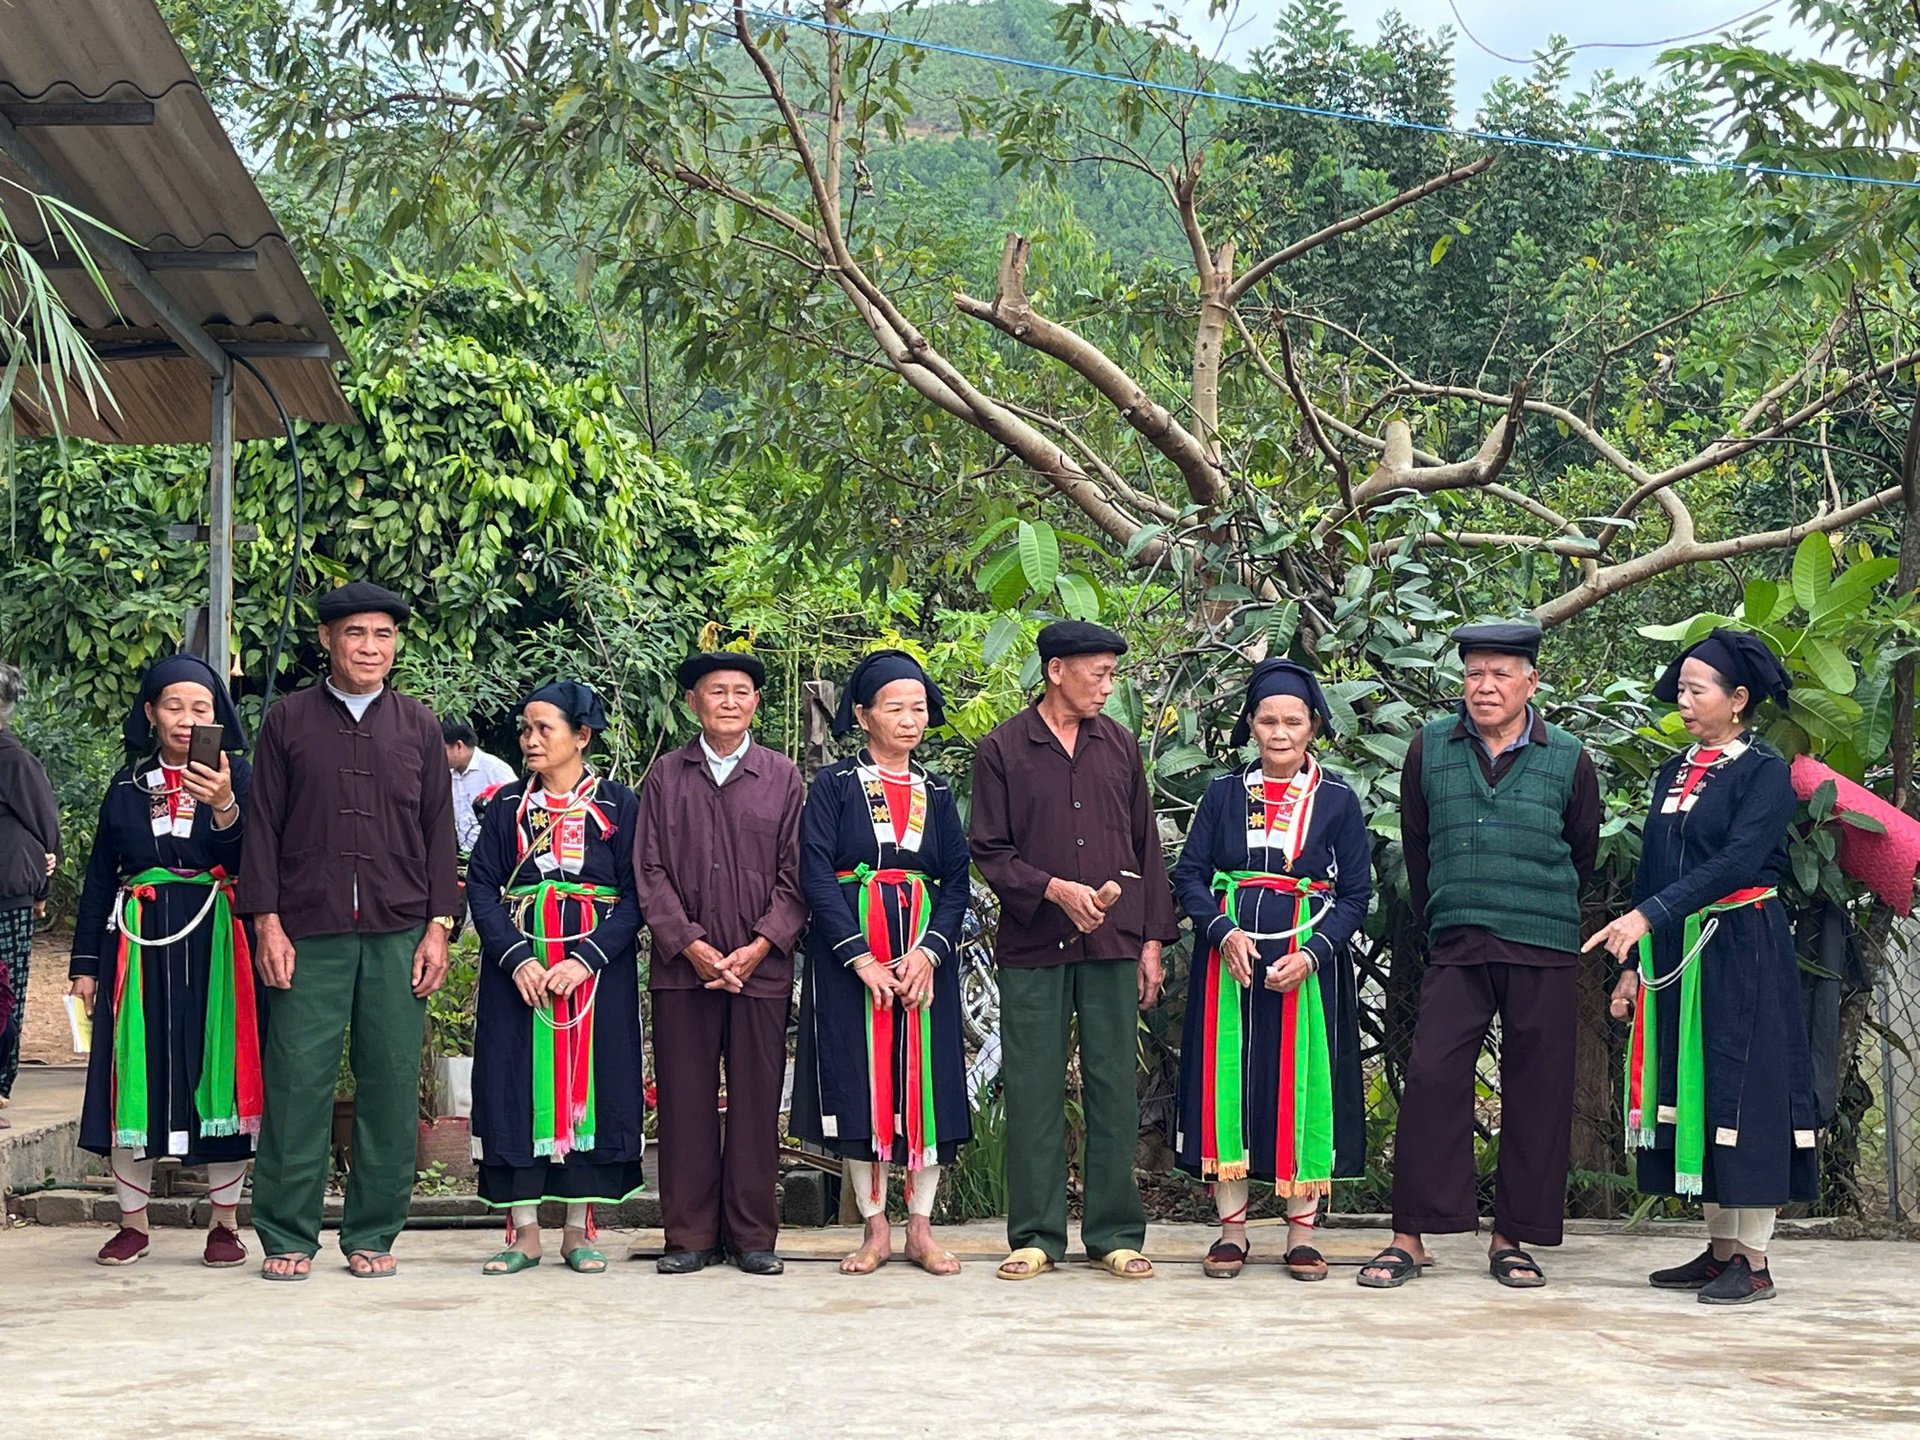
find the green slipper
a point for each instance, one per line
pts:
(585, 1260)
(512, 1262)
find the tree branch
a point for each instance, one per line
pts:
(1258, 272)
(1013, 314)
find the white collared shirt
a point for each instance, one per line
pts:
(723, 766)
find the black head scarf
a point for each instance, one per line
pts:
(181, 670)
(1281, 677)
(573, 700)
(874, 674)
(1741, 658)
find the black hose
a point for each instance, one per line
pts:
(299, 532)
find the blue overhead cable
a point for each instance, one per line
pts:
(1492, 137)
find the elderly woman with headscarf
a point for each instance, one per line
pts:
(558, 1106)
(164, 965)
(879, 1076)
(1719, 1083)
(1276, 874)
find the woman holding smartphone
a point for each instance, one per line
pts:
(164, 965)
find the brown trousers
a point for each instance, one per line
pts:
(1434, 1181)
(714, 1194)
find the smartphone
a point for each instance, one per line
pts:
(204, 747)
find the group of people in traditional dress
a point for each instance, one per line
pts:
(327, 869)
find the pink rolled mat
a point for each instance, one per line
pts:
(1885, 863)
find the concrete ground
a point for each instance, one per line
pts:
(441, 1350)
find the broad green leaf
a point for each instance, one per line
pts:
(1820, 803)
(1440, 248)
(1039, 555)
(1756, 604)
(1829, 665)
(1831, 717)
(1857, 821)
(1078, 597)
(1283, 623)
(1812, 570)
(1876, 727)
(997, 569)
(1685, 632)
(988, 536)
(1853, 591)
(1000, 637)
(1179, 759)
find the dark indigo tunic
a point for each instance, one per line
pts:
(175, 976)
(1759, 1074)
(505, 1033)
(1336, 849)
(832, 1096)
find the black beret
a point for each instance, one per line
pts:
(708, 661)
(1281, 677)
(362, 597)
(1505, 637)
(573, 700)
(874, 674)
(1064, 638)
(1740, 657)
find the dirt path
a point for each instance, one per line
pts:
(46, 1040)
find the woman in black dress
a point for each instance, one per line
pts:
(1276, 874)
(1719, 1085)
(879, 1074)
(558, 1105)
(165, 967)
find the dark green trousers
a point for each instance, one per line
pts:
(1037, 1011)
(368, 980)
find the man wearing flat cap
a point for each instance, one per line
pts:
(1500, 821)
(717, 865)
(348, 869)
(1064, 831)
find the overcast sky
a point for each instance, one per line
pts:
(1520, 27)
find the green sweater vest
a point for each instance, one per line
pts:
(1496, 857)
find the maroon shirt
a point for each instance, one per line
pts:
(1039, 813)
(1473, 944)
(341, 808)
(720, 863)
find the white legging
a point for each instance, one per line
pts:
(1748, 1226)
(133, 1180)
(527, 1217)
(922, 1186)
(1231, 1197)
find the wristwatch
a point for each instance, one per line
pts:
(445, 922)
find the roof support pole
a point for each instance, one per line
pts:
(220, 529)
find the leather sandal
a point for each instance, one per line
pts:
(1515, 1269)
(1399, 1265)
(1303, 1262)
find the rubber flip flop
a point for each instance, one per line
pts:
(287, 1276)
(370, 1273)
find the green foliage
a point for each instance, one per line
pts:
(478, 485)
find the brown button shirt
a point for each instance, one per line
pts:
(344, 811)
(1039, 813)
(1473, 944)
(720, 863)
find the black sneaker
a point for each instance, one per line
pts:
(1738, 1284)
(1690, 1276)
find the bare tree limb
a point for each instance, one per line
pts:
(1013, 314)
(1259, 271)
(1310, 416)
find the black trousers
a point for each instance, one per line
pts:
(1434, 1180)
(716, 1191)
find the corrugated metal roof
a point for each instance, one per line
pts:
(177, 184)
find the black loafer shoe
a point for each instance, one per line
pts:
(1738, 1284)
(686, 1262)
(760, 1262)
(1693, 1275)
